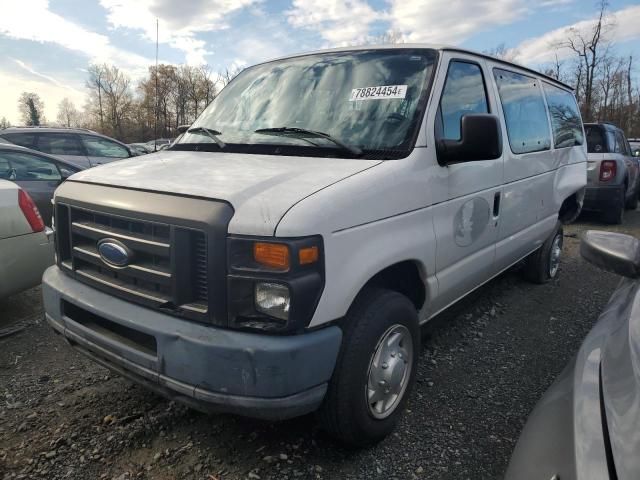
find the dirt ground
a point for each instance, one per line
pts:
(483, 366)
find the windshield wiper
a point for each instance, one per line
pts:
(303, 133)
(212, 134)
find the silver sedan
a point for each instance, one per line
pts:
(26, 245)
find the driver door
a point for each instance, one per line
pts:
(466, 216)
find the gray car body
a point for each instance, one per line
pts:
(586, 426)
(81, 161)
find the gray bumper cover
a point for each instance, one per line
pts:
(208, 368)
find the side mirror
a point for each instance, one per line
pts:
(183, 128)
(613, 252)
(480, 139)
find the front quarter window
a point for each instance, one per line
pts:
(369, 100)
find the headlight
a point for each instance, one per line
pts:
(273, 299)
(274, 284)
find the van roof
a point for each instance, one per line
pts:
(438, 47)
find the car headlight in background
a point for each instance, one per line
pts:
(274, 284)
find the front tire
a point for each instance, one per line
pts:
(544, 264)
(376, 368)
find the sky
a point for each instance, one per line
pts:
(46, 45)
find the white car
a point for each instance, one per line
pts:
(26, 245)
(282, 255)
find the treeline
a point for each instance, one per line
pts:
(120, 108)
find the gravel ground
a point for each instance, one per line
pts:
(483, 366)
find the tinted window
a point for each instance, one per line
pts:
(621, 144)
(26, 167)
(101, 147)
(524, 112)
(59, 144)
(614, 142)
(596, 139)
(463, 93)
(565, 117)
(23, 139)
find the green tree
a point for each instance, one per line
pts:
(31, 109)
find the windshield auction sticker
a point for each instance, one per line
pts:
(378, 93)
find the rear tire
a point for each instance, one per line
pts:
(375, 371)
(616, 215)
(544, 264)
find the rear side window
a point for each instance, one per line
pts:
(101, 147)
(59, 144)
(621, 144)
(22, 139)
(464, 92)
(596, 139)
(26, 167)
(524, 112)
(565, 117)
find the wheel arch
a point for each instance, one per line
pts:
(406, 277)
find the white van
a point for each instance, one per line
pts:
(280, 258)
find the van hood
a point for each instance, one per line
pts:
(261, 188)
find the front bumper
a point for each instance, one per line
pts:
(208, 368)
(602, 198)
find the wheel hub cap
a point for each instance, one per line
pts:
(556, 252)
(389, 371)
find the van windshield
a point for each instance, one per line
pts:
(366, 103)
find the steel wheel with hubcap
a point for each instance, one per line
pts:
(544, 264)
(375, 370)
(554, 255)
(389, 371)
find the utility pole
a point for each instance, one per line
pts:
(155, 126)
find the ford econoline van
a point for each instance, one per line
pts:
(280, 258)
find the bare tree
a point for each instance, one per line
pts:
(4, 123)
(31, 109)
(67, 113)
(502, 52)
(228, 74)
(94, 84)
(590, 47)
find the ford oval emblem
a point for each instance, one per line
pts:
(114, 253)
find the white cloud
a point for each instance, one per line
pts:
(626, 26)
(178, 22)
(50, 90)
(32, 20)
(339, 22)
(451, 21)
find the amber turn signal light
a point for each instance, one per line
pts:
(273, 255)
(308, 255)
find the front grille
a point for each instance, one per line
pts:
(168, 266)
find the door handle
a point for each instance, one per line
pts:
(496, 205)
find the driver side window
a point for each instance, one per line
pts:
(464, 92)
